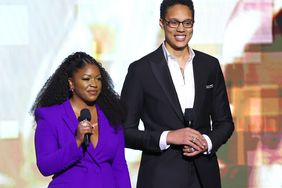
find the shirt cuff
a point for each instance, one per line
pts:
(209, 144)
(163, 145)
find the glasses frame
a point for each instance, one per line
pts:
(168, 23)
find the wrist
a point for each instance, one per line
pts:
(169, 138)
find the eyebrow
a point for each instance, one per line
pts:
(175, 19)
(91, 75)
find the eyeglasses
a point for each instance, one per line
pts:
(175, 23)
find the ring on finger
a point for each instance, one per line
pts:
(193, 139)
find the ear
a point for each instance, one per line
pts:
(71, 84)
(161, 23)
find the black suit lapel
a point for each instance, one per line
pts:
(200, 81)
(162, 74)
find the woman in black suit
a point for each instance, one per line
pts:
(180, 95)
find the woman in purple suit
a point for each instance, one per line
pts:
(61, 145)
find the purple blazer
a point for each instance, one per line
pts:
(57, 153)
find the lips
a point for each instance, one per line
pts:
(93, 92)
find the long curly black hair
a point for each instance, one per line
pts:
(56, 90)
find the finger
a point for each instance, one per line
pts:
(86, 126)
(194, 132)
(196, 140)
(191, 154)
(195, 146)
(191, 150)
(202, 138)
(199, 142)
(84, 129)
(88, 129)
(186, 150)
(94, 124)
(83, 125)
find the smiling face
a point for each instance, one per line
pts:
(86, 84)
(177, 38)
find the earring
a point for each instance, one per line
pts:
(71, 89)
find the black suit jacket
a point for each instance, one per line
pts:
(149, 94)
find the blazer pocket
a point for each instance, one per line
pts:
(209, 93)
(209, 86)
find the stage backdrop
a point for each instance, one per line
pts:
(245, 35)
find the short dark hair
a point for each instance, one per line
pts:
(169, 3)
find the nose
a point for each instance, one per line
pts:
(180, 27)
(93, 83)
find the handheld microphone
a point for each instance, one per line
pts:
(189, 117)
(85, 115)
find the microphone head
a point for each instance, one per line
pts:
(189, 114)
(84, 115)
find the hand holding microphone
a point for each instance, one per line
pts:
(84, 128)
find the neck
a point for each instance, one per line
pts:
(78, 104)
(181, 55)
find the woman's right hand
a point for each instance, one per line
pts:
(83, 128)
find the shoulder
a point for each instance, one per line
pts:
(205, 60)
(49, 111)
(145, 60)
(201, 55)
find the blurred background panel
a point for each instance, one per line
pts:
(245, 35)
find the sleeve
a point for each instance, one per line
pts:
(209, 144)
(222, 123)
(51, 158)
(119, 165)
(132, 97)
(163, 143)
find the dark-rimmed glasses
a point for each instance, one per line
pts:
(175, 23)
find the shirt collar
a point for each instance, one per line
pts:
(168, 55)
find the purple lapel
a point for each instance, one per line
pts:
(69, 117)
(103, 126)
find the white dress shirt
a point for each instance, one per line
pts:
(185, 88)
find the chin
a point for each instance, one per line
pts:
(90, 102)
(177, 46)
(180, 47)
(91, 99)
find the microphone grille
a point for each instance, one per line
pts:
(84, 115)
